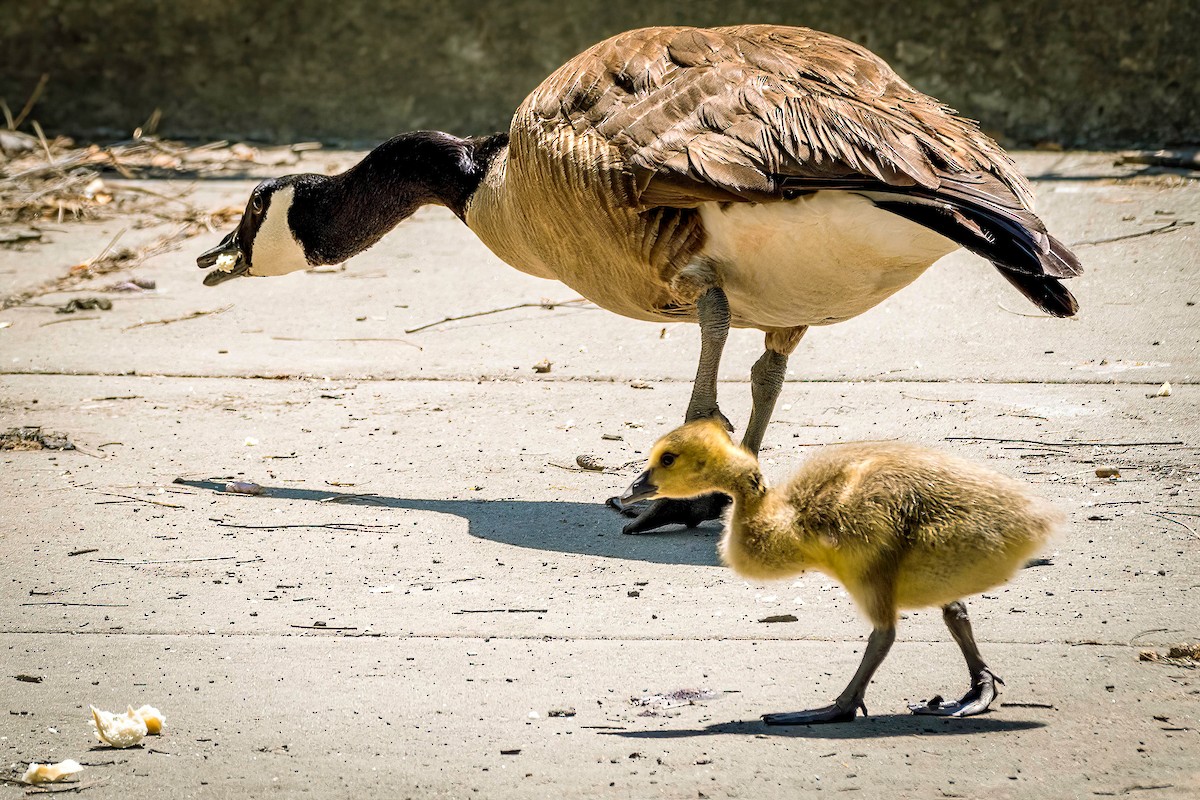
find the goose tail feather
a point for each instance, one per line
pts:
(1011, 237)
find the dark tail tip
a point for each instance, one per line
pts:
(1061, 262)
(1046, 292)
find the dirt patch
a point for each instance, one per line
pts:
(34, 438)
(1186, 654)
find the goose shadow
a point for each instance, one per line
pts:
(565, 527)
(877, 727)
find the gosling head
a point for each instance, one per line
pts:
(268, 240)
(689, 461)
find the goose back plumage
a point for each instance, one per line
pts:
(624, 142)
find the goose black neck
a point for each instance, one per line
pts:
(427, 167)
(347, 213)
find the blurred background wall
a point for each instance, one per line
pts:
(1077, 73)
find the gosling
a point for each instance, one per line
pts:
(898, 525)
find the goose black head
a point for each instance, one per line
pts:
(301, 221)
(266, 241)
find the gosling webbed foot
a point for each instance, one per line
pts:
(976, 701)
(668, 511)
(816, 716)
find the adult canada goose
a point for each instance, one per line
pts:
(898, 525)
(756, 176)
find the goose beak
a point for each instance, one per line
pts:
(641, 489)
(228, 248)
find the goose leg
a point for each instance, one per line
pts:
(712, 309)
(846, 706)
(766, 381)
(983, 680)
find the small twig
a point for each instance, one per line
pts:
(503, 611)
(1180, 523)
(1059, 444)
(185, 318)
(108, 247)
(1136, 636)
(150, 126)
(546, 304)
(41, 135)
(1138, 787)
(605, 470)
(117, 165)
(353, 527)
(84, 551)
(123, 563)
(67, 319)
(29, 104)
(129, 187)
(357, 339)
(142, 500)
(89, 605)
(8, 117)
(341, 498)
(325, 627)
(1173, 225)
(914, 397)
(72, 787)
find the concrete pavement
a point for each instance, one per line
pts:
(428, 577)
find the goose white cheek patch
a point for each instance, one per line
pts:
(275, 250)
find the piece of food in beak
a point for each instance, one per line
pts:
(228, 265)
(228, 259)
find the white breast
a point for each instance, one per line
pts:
(815, 260)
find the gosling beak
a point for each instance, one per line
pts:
(228, 247)
(641, 489)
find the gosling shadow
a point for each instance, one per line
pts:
(876, 727)
(564, 527)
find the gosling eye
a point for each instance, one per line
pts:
(256, 204)
(667, 459)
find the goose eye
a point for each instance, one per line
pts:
(667, 459)
(256, 204)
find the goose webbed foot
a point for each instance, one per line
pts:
(667, 511)
(975, 701)
(817, 716)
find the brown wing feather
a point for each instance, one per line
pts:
(734, 113)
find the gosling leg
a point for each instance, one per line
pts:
(712, 309)
(846, 706)
(983, 680)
